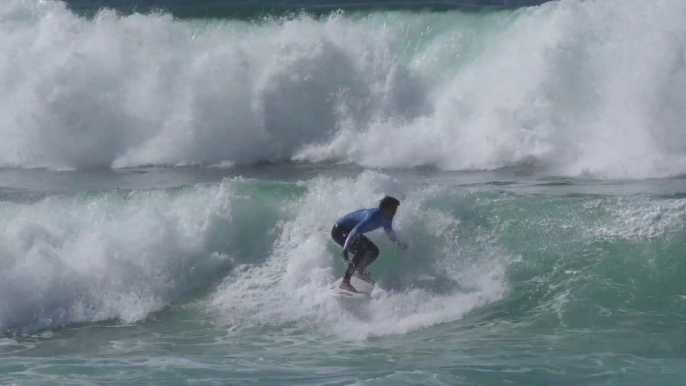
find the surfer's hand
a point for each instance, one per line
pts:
(345, 255)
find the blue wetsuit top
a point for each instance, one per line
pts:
(363, 221)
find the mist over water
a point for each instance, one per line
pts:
(571, 88)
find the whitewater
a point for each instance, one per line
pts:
(575, 88)
(169, 179)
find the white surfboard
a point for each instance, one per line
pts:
(364, 288)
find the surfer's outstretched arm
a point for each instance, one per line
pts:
(394, 238)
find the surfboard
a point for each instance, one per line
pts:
(363, 287)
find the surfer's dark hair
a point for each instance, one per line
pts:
(389, 202)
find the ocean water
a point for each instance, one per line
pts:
(170, 172)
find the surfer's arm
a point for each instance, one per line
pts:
(354, 234)
(394, 238)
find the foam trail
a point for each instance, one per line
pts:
(571, 87)
(291, 285)
(109, 256)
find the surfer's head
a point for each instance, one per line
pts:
(388, 206)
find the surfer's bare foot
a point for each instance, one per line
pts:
(348, 287)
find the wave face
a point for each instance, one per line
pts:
(249, 254)
(572, 88)
(251, 251)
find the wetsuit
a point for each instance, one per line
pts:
(348, 233)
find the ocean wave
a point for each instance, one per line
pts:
(114, 255)
(578, 87)
(258, 253)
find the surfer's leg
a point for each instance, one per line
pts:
(354, 263)
(363, 249)
(345, 283)
(371, 253)
(339, 234)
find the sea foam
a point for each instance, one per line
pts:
(569, 88)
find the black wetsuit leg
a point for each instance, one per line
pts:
(364, 250)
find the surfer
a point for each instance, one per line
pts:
(348, 233)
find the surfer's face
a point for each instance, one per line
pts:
(390, 212)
